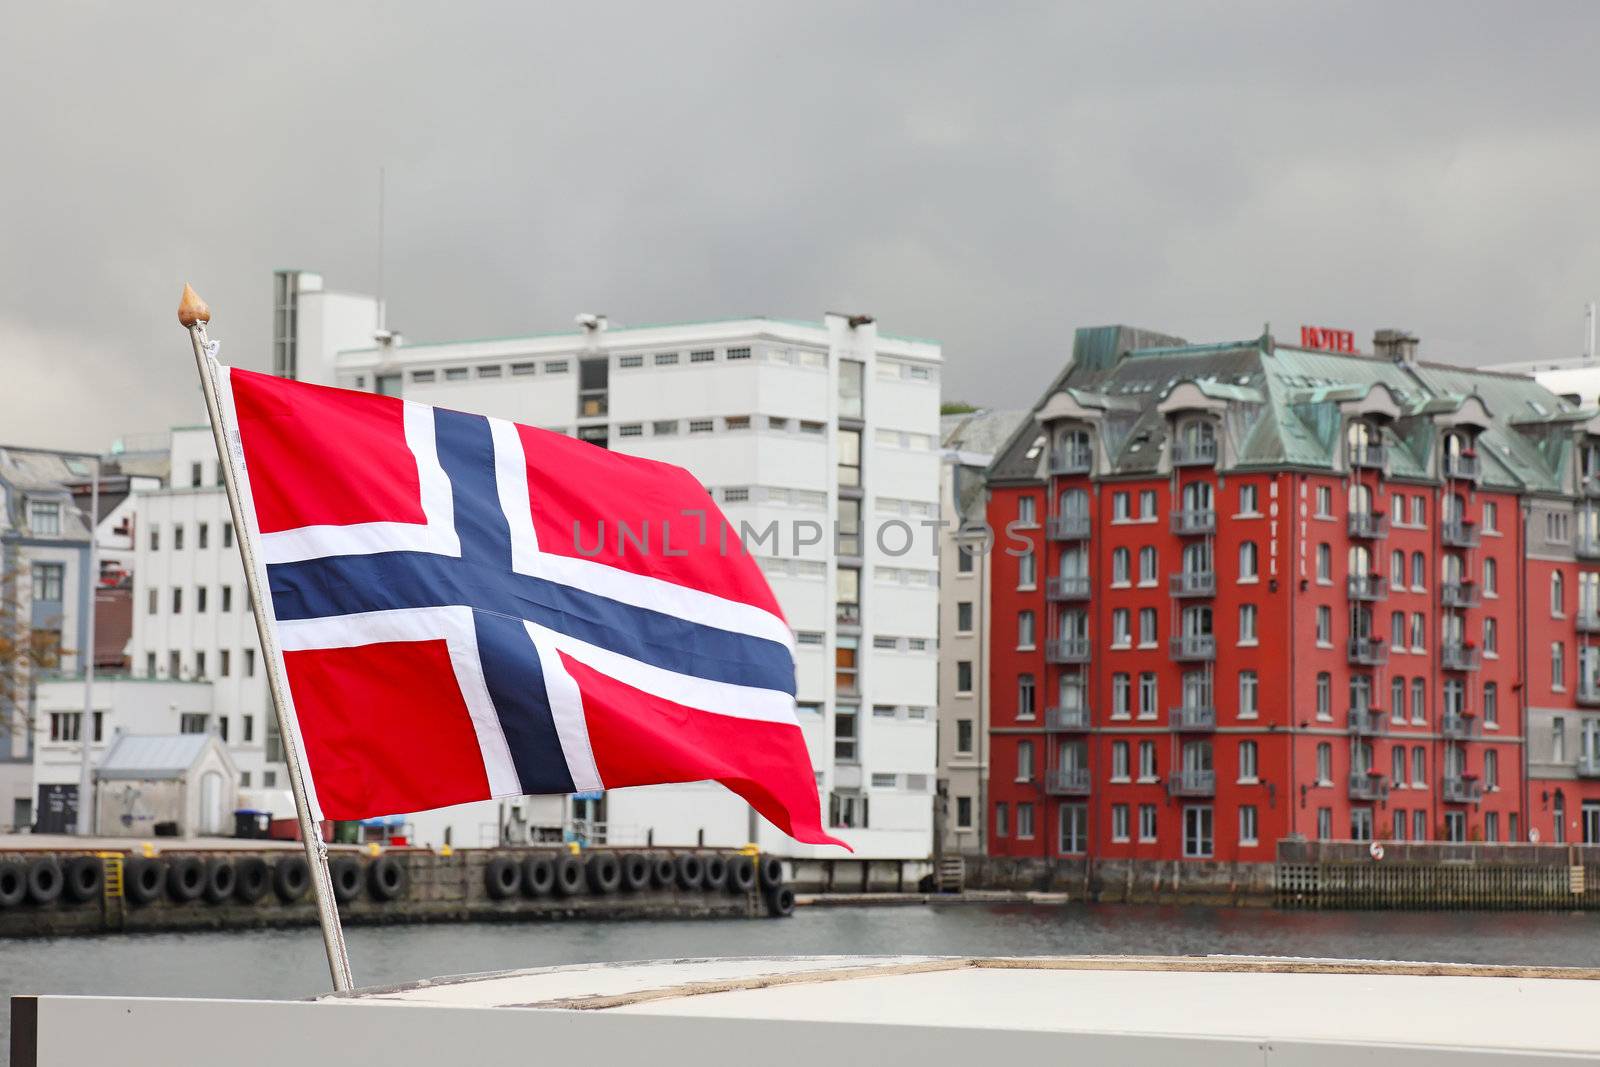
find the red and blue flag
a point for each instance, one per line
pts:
(469, 609)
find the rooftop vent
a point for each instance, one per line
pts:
(1396, 345)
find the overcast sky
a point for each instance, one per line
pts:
(989, 175)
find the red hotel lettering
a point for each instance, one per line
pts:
(1320, 337)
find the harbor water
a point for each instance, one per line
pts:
(288, 963)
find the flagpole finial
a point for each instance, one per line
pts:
(191, 309)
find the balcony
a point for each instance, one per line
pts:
(1193, 522)
(1586, 543)
(1194, 718)
(1587, 622)
(1589, 485)
(1463, 465)
(1458, 594)
(1196, 453)
(1589, 765)
(1067, 650)
(1367, 586)
(1067, 587)
(1459, 533)
(1459, 789)
(1194, 584)
(1368, 525)
(1194, 647)
(1067, 527)
(1072, 461)
(1589, 692)
(1369, 457)
(1067, 782)
(1192, 783)
(847, 614)
(1364, 785)
(1368, 651)
(1456, 656)
(1066, 719)
(1366, 722)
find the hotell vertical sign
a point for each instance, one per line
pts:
(1327, 340)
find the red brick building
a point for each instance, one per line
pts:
(1247, 591)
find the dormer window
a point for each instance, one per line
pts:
(44, 518)
(1194, 444)
(1073, 453)
(1460, 458)
(1589, 464)
(1364, 446)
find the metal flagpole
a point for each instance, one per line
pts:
(86, 727)
(194, 314)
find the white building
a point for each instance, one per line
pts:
(969, 444)
(801, 425)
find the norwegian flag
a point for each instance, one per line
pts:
(454, 626)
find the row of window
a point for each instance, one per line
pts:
(202, 598)
(201, 666)
(202, 536)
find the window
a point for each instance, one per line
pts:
(177, 537)
(1491, 704)
(1324, 695)
(202, 534)
(1491, 637)
(1121, 696)
(249, 663)
(702, 425)
(1397, 700)
(1419, 572)
(1419, 768)
(1197, 835)
(1397, 569)
(1419, 700)
(1120, 507)
(963, 559)
(1147, 822)
(1121, 630)
(192, 723)
(1397, 631)
(964, 736)
(665, 359)
(1557, 605)
(849, 465)
(177, 600)
(1027, 511)
(964, 617)
(1147, 565)
(1248, 503)
(1324, 502)
(1419, 825)
(1249, 687)
(155, 538)
(963, 813)
(1148, 696)
(1247, 824)
(200, 664)
(1147, 627)
(1249, 561)
(1024, 761)
(1324, 763)
(1119, 822)
(1002, 822)
(1419, 511)
(227, 598)
(1074, 819)
(44, 518)
(1558, 665)
(1248, 761)
(227, 535)
(1147, 505)
(174, 664)
(1324, 563)
(704, 355)
(1419, 632)
(1147, 761)
(1119, 566)
(844, 733)
(1491, 769)
(1397, 767)
(1119, 761)
(1247, 624)
(224, 661)
(154, 601)
(1491, 517)
(1025, 820)
(1324, 625)
(200, 598)
(1027, 570)
(631, 429)
(1324, 823)
(47, 583)
(964, 676)
(1025, 696)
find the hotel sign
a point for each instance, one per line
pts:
(1327, 340)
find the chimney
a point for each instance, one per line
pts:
(1396, 345)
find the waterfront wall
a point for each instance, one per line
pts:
(58, 892)
(1438, 876)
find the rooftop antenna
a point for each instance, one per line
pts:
(1588, 330)
(380, 323)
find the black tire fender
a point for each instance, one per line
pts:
(252, 879)
(345, 873)
(663, 871)
(538, 876)
(780, 902)
(691, 871)
(45, 880)
(502, 878)
(85, 876)
(635, 872)
(741, 877)
(569, 875)
(13, 884)
(291, 877)
(771, 868)
(143, 879)
(186, 878)
(716, 871)
(222, 877)
(604, 873)
(388, 878)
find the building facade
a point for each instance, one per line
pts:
(1246, 592)
(820, 443)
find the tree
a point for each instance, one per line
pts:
(25, 652)
(956, 407)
